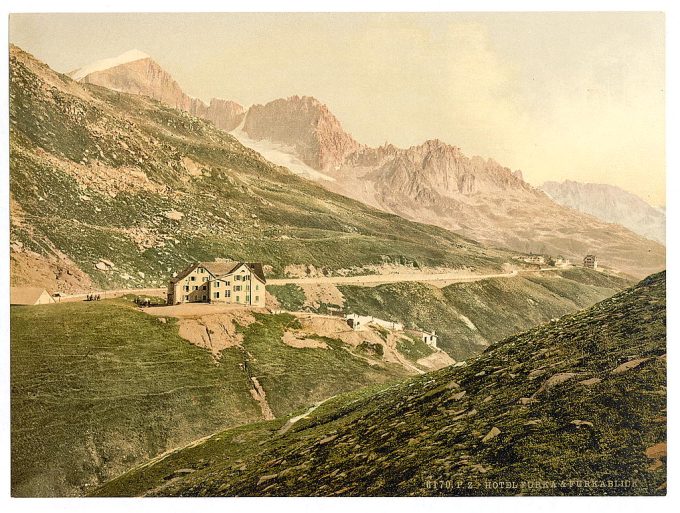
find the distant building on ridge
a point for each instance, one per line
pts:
(590, 261)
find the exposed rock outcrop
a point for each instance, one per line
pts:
(306, 125)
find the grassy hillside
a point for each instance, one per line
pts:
(96, 174)
(573, 407)
(99, 387)
(469, 316)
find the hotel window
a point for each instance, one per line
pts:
(216, 295)
(203, 287)
(186, 298)
(195, 287)
(247, 299)
(237, 277)
(228, 293)
(217, 284)
(257, 287)
(205, 278)
(238, 298)
(193, 278)
(186, 288)
(204, 297)
(237, 288)
(257, 298)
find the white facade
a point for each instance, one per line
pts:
(430, 339)
(360, 322)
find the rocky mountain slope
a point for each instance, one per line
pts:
(115, 190)
(573, 407)
(435, 183)
(612, 205)
(140, 74)
(313, 133)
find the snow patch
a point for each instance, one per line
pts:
(279, 154)
(104, 64)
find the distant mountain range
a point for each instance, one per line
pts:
(433, 182)
(611, 204)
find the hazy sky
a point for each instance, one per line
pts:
(559, 96)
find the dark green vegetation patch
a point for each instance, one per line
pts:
(97, 387)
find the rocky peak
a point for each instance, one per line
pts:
(304, 124)
(144, 76)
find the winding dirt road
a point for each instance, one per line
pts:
(370, 280)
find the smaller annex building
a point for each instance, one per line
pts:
(219, 282)
(29, 296)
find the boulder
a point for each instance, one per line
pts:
(493, 433)
(629, 365)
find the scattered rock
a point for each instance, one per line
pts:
(480, 469)
(591, 381)
(527, 400)
(655, 465)
(266, 478)
(536, 373)
(491, 434)
(629, 365)
(328, 439)
(656, 451)
(162, 320)
(579, 423)
(174, 215)
(554, 380)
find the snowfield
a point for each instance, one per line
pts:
(104, 64)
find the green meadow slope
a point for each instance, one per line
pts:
(99, 387)
(573, 407)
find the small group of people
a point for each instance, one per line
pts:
(93, 297)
